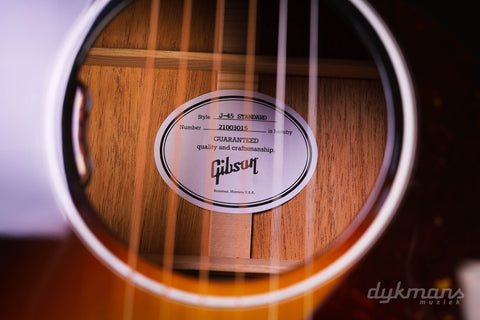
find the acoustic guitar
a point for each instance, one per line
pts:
(220, 159)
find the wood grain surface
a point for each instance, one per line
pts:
(350, 134)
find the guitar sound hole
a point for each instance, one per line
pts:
(133, 93)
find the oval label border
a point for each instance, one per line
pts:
(164, 148)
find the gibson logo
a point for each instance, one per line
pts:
(221, 167)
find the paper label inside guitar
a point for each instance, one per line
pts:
(235, 152)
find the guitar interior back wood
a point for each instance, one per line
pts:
(350, 134)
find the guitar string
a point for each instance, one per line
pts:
(218, 42)
(172, 199)
(276, 216)
(208, 217)
(248, 85)
(251, 39)
(310, 200)
(141, 160)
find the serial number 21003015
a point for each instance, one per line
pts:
(231, 127)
